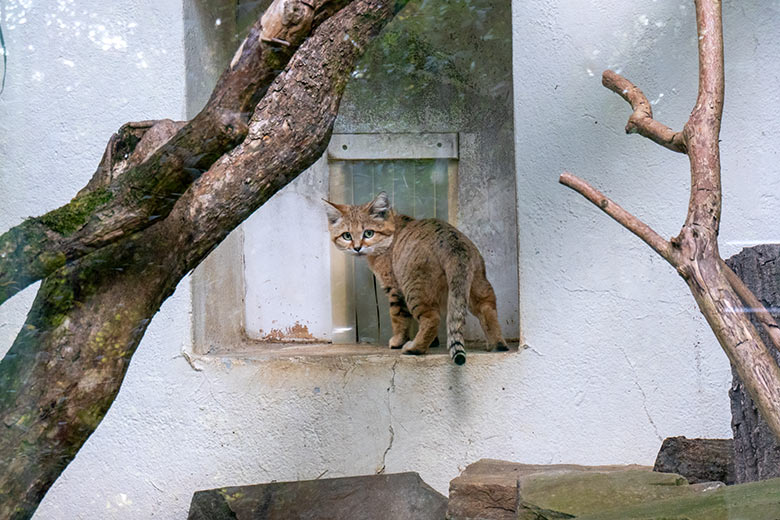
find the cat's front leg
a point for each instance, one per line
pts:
(400, 318)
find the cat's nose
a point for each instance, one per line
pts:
(357, 249)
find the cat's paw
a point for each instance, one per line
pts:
(501, 346)
(397, 341)
(410, 349)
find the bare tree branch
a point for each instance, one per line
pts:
(623, 217)
(694, 251)
(641, 121)
(146, 193)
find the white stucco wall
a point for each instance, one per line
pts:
(619, 356)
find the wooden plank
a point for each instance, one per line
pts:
(440, 181)
(384, 180)
(393, 146)
(403, 188)
(422, 198)
(342, 267)
(365, 296)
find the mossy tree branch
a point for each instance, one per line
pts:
(147, 192)
(64, 369)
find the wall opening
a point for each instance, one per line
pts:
(428, 117)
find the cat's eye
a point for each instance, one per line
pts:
(346, 235)
(368, 233)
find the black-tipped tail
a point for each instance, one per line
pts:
(457, 352)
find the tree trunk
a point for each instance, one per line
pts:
(756, 450)
(694, 251)
(66, 366)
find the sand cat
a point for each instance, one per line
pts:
(421, 265)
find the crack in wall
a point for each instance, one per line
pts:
(641, 391)
(189, 358)
(390, 390)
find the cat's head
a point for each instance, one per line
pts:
(366, 229)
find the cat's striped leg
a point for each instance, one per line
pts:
(429, 326)
(482, 303)
(400, 318)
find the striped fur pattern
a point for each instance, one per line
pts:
(424, 267)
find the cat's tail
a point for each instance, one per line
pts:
(459, 278)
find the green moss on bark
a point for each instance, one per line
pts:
(58, 297)
(51, 260)
(76, 213)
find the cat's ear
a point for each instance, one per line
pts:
(380, 206)
(335, 211)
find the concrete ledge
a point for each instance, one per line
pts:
(266, 350)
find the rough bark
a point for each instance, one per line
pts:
(66, 366)
(108, 211)
(756, 450)
(694, 251)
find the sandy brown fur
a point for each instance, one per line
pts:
(424, 266)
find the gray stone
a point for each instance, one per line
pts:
(499, 490)
(756, 451)
(556, 492)
(401, 496)
(698, 460)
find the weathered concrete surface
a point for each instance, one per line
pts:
(756, 451)
(401, 496)
(499, 490)
(755, 501)
(698, 460)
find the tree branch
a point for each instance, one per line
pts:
(623, 217)
(702, 131)
(694, 252)
(67, 364)
(146, 193)
(641, 121)
(754, 306)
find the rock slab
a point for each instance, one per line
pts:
(499, 490)
(754, 501)
(698, 460)
(401, 496)
(484, 491)
(756, 451)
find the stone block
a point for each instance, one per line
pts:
(755, 501)
(499, 490)
(401, 496)
(698, 460)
